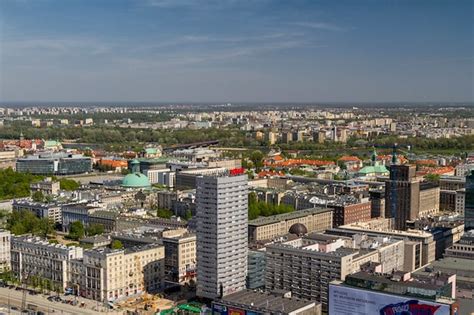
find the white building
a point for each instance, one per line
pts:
(163, 177)
(34, 256)
(222, 218)
(5, 243)
(109, 274)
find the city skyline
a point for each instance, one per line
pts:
(262, 51)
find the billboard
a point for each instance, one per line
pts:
(349, 301)
(235, 311)
(218, 309)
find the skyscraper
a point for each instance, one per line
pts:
(402, 194)
(222, 218)
(469, 202)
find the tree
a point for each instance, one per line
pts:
(116, 244)
(45, 227)
(95, 229)
(257, 159)
(188, 215)
(68, 184)
(76, 230)
(434, 178)
(164, 213)
(23, 222)
(38, 196)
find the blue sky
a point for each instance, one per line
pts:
(236, 50)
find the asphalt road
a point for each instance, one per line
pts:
(13, 298)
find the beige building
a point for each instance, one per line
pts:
(266, 228)
(46, 187)
(106, 274)
(429, 200)
(180, 257)
(271, 138)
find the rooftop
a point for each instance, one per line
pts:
(264, 302)
(287, 216)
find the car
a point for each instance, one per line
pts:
(14, 308)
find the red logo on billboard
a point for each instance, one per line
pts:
(411, 307)
(237, 171)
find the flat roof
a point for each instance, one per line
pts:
(264, 301)
(287, 216)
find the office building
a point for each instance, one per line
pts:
(54, 164)
(369, 292)
(402, 192)
(306, 266)
(347, 213)
(469, 202)
(267, 228)
(222, 218)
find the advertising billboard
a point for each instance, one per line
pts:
(235, 311)
(350, 301)
(218, 309)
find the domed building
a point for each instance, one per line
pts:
(135, 179)
(298, 229)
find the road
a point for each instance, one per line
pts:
(13, 298)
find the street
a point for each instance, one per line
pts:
(13, 298)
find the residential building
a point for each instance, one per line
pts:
(34, 256)
(5, 246)
(256, 269)
(180, 257)
(51, 211)
(109, 274)
(347, 213)
(267, 228)
(222, 218)
(46, 187)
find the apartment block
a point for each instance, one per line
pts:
(5, 246)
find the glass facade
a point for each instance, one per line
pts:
(469, 203)
(54, 165)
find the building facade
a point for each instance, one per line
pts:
(180, 257)
(106, 274)
(222, 218)
(33, 256)
(5, 246)
(402, 192)
(267, 228)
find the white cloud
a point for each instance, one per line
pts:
(320, 26)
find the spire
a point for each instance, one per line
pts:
(394, 154)
(373, 157)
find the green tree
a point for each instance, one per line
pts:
(116, 244)
(95, 229)
(257, 159)
(68, 184)
(37, 196)
(188, 215)
(76, 230)
(164, 213)
(434, 178)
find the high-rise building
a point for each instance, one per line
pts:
(469, 202)
(222, 218)
(402, 195)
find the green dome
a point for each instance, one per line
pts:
(135, 180)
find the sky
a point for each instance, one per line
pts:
(237, 50)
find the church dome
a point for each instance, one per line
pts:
(298, 229)
(135, 180)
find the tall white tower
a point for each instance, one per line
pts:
(222, 241)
